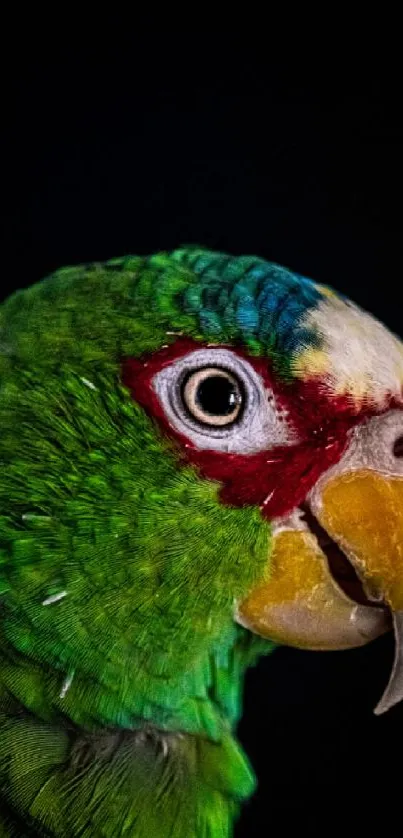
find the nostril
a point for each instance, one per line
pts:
(398, 447)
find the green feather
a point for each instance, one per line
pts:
(120, 665)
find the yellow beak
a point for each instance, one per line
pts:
(372, 537)
(363, 512)
(301, 604)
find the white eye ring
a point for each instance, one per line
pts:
(258, 423)
(226, 401)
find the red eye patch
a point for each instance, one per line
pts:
(276, 479)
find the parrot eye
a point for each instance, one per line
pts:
(216, 399)
(213, 396)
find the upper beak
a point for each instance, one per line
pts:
(302, 604)
(363, 511)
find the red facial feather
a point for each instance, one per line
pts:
(277, 479)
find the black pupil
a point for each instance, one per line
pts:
(217, 395)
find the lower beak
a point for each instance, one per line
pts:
(302, 605)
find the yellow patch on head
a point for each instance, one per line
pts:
(310, 363)
(326, 291)
(358, 356)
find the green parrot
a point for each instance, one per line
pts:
(201, 459)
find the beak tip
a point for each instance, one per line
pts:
(381, 708)
(394, 690)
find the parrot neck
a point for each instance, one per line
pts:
(64, 779)
(60, 781)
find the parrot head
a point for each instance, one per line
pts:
(294, 404)
(197, 450)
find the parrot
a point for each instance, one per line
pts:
(201, 461)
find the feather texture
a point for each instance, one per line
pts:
(120, 665)
(121, 560)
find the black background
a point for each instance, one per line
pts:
(143, 145)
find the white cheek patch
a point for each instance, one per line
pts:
(358, 357)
